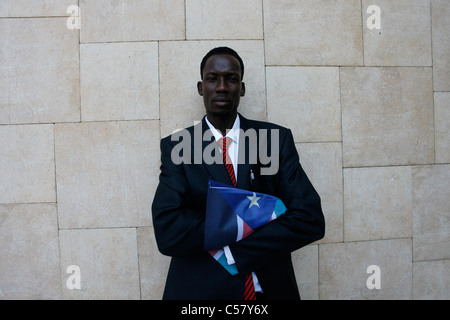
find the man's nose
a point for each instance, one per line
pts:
(222, 85)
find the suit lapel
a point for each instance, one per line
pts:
(243, 156)
(217, 171)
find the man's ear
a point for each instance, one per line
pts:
(242, 89)
(200, 88)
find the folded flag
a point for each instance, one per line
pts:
(220, 257)
(232, 214)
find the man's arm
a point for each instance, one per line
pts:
(179, 230)
(302, 224)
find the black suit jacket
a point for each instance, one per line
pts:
(179, 221)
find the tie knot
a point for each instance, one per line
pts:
(226, 142)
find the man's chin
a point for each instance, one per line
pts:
(224, 115)
(223, 111)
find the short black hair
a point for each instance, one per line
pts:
(219, 51)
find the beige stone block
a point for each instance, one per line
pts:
(29, 264)
(113, 21)
(27, 164)
(306, 100)
(343, 270)
(405, 35)
(431, 212)
(313, 32)
(440, 11)
(306, 267)
(107, 261)
(153, 266)
(107, 173)
(39, 71)
(119, 81)
(232, 19)
(180, 103)
(387, 116)
(442, 126)
(431, 280)
(35, 8)
(322, 163)
(377, 203)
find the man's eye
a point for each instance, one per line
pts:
(211, 79)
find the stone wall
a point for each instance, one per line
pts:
(363, 84)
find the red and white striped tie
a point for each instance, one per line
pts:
(249, 288)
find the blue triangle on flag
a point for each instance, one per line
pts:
(220, 223)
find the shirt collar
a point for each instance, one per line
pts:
(232, 133)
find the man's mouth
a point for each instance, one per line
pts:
(221, 100)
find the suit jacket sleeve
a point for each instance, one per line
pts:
(302, 224)
(179, 228)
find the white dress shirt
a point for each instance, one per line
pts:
(232, 150)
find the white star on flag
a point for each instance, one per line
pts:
(254, 201)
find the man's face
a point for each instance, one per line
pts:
(222, 86)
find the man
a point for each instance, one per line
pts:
(263, 259)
